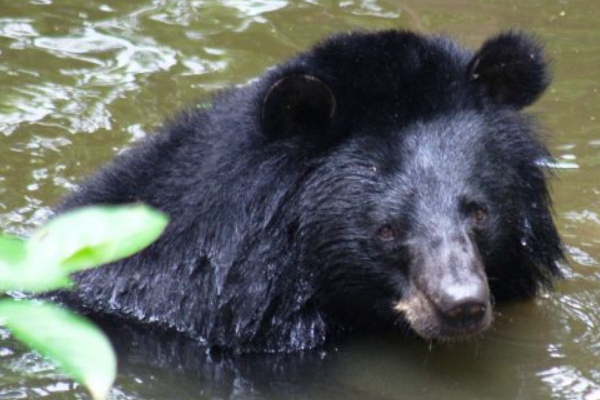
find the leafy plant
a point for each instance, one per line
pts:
(81, 239)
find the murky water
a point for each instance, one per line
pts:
(81, 80)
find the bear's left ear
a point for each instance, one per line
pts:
(298, 105)
(512, 69)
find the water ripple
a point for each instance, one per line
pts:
(82, 79)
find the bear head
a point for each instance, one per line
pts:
(424, 199)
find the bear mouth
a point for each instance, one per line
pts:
(425, 319)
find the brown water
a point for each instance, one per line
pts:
(81, 80)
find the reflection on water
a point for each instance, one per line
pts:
(82, 80)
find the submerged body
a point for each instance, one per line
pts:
(377, 181)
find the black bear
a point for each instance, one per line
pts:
(380, 180)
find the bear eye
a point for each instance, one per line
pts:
(479, 215)
(386, 233)
(475, 212)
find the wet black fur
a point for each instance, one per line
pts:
(271, 245)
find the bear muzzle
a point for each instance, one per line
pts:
(464, 320)
(448, 296)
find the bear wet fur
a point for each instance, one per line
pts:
(377, 181)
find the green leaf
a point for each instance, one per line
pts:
(92, 236)
(79, 348)
(16, 273)
(80, 239)
(12, 249)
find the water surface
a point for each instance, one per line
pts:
(81, 80)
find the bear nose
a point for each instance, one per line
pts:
(466, 313)
(466, 309)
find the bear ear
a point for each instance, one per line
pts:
(512, 69)
(297, 105)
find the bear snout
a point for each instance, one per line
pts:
(449, 296)
(461, 321)
(465, 306)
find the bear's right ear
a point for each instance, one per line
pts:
(511, 68)
(298, 105)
